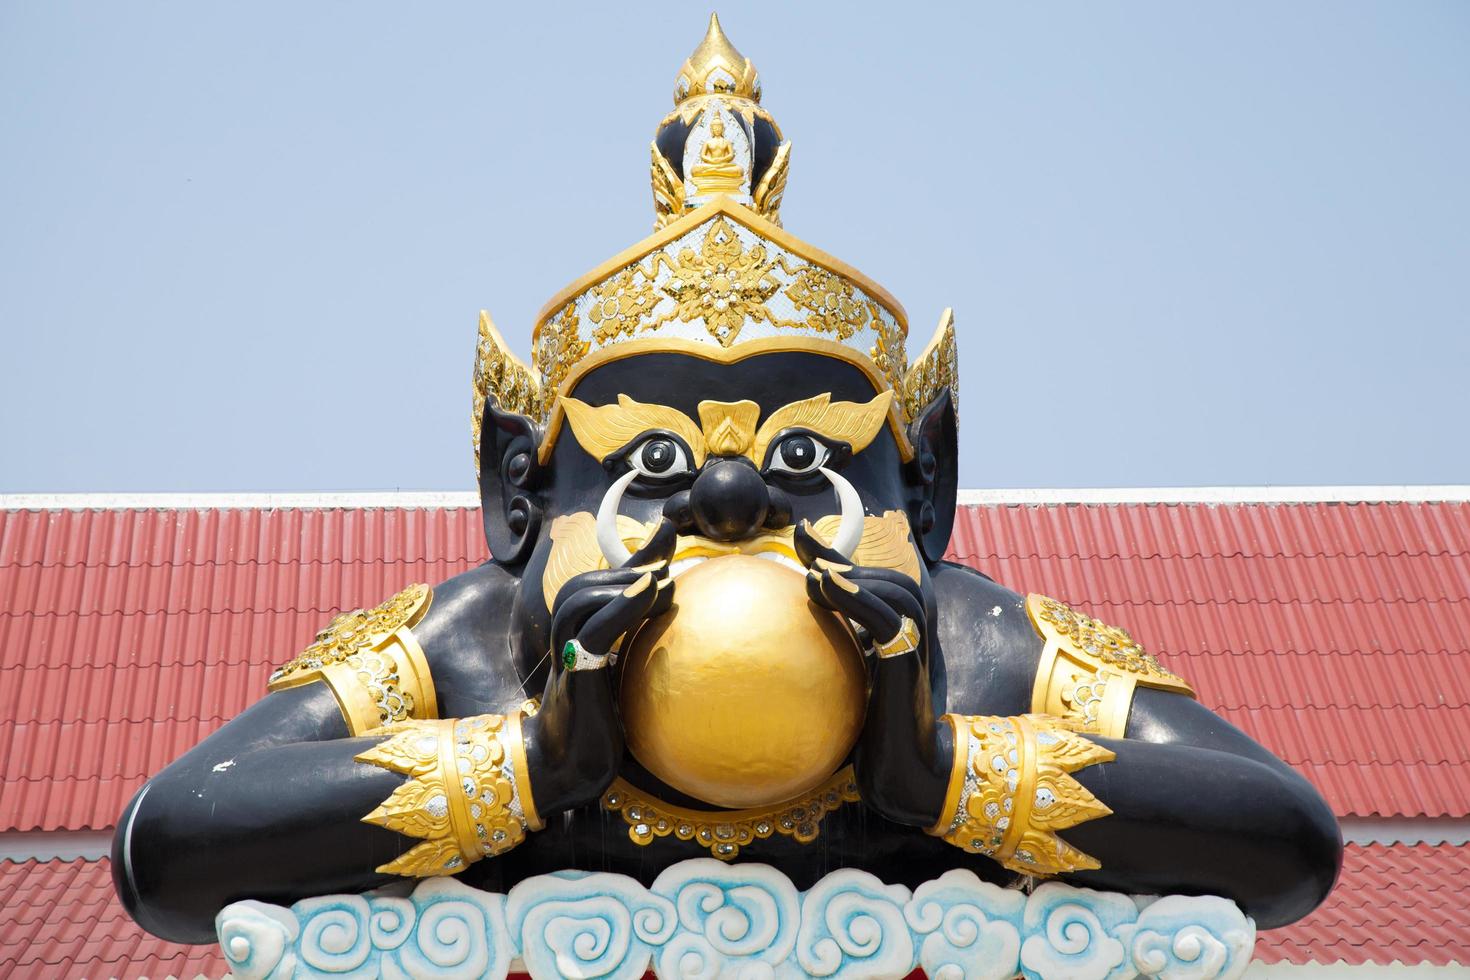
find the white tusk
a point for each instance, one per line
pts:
(608, 539)
(850, 531)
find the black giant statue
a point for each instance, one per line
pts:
(718, 621)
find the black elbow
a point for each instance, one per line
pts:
(1305, 858)
(142, 865)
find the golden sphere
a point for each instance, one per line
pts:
(744, 693)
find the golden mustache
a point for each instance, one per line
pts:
(698, 546)
(885, 543)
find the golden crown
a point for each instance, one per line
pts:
(719, 279)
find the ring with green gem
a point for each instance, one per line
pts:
(574, 656)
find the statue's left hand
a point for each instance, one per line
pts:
(887, 605)
(899, 762)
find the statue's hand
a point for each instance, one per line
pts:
(595, 608)
(887, 606)
(576, 740)
(900, 768)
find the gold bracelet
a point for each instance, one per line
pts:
(906, 640)
(1009, 792)
(467, 796)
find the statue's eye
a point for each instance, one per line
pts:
(798, 453)
(659, 457)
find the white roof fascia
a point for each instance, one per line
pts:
(434, 499)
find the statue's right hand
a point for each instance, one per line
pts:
(593, 609)
(576, 742)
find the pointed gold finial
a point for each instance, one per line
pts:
(717, 68)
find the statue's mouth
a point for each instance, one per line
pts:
(692, 549)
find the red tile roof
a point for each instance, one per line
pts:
(63, 920)
(1393, 902)
(1335, 633)
(1332, 632)
(1404, 903)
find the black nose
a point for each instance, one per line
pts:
(729, 500)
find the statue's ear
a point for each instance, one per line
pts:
(933, 475)
(510, 477)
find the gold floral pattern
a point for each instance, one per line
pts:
(830, 302)
(891, 358)
(353, 631)
(558, 348)
(724, 832)
(371, 662)
(1109, 644)
(620, 305)
(501, 375)
(723, 283)
(935, 369)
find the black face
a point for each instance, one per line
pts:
(734, 494)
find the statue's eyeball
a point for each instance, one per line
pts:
(798, 453)
(659, 457)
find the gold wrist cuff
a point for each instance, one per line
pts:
(520, 770)
(906, 640)
(371, 662)
(1089, 670)
(461, 797)
(1009, 792)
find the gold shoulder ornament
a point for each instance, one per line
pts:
(1010, 792)
(371, 662)
(468, 795)
(1089, 670)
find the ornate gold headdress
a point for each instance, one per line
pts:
(719, 278)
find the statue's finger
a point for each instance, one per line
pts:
(665, 597)
(618, 616)
(659, 548)
(814, 589)
(809, 548)
(603, 577)
(578, 608)
(872, 573)
(857, 603)
(894, 595)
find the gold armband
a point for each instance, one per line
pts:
(1009, 792)
(468, 795)
(371, 662)
(1089, 670)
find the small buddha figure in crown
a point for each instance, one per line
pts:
(718, 611)
(717, 172)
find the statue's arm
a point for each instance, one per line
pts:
(1188, 790)
(273, 797)
(1116, 779)
(345, 775)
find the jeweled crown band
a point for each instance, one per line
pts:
(721, 283)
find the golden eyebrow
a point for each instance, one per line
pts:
(604, 429)
(855, 423)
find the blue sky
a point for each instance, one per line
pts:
(243, 247)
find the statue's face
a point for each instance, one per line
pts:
(734, 453)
